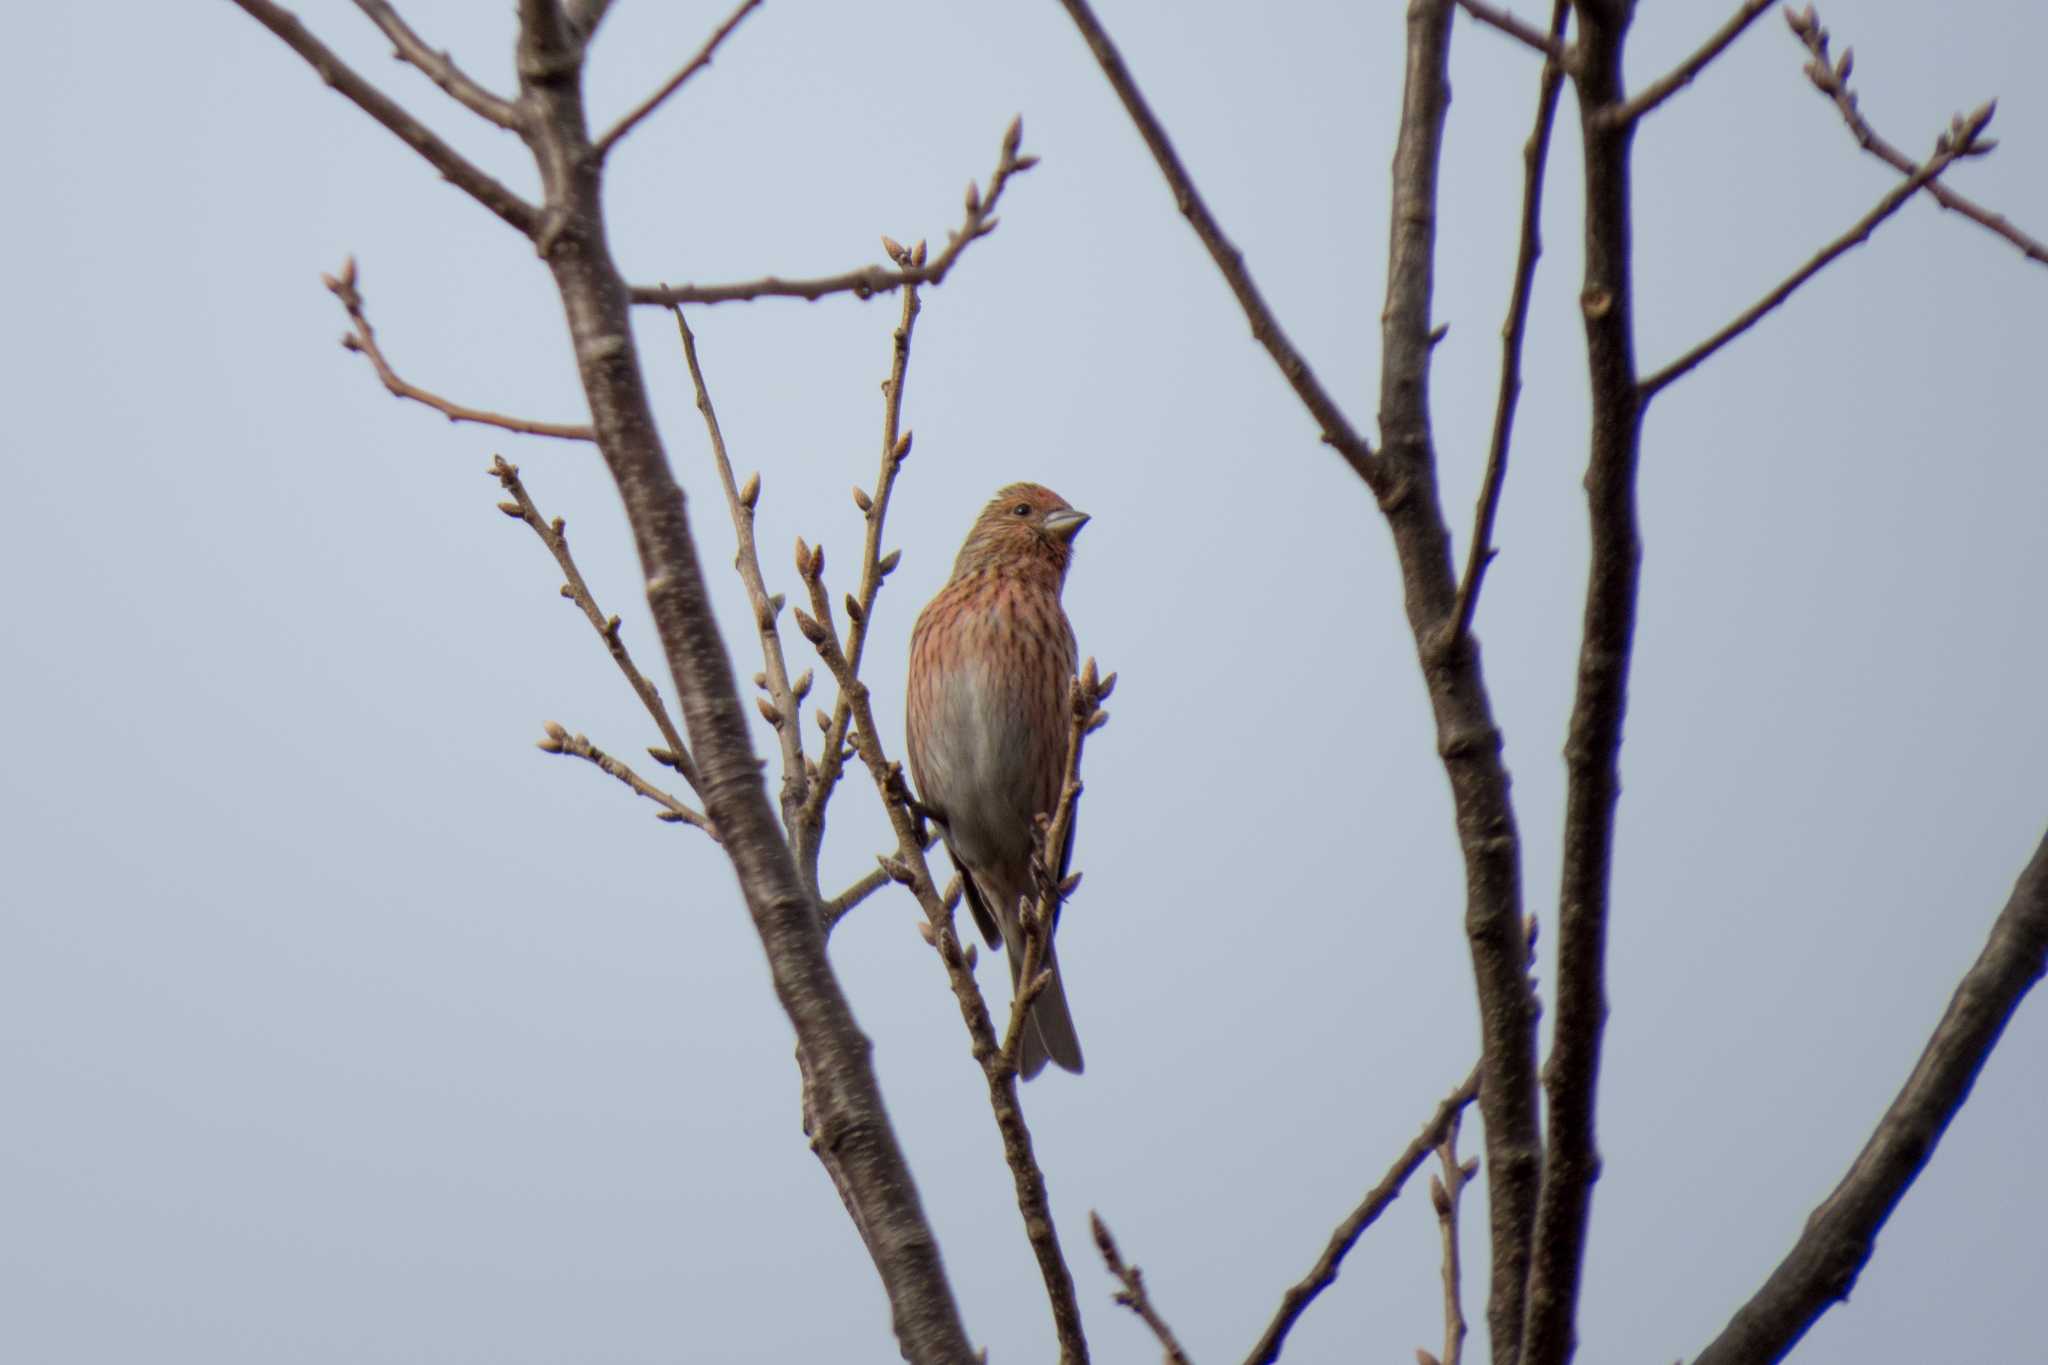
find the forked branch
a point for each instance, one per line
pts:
(1831, 78)
(438, 67)
(979, 221)
(1324, 1273)
(362, 339)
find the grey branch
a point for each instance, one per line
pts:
(674, 83)
(979, 221)
(1841, 1234)
(1324, 1273)
(439, 67)
(453, 166)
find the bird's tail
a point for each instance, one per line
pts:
(1049, 1027)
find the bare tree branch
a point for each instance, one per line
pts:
(1571, 1161)
(910, 867)
(850, 1128)
(454, 167)
(809, 831)
(554, 534)
(603, 146)
(1324, 1273)
(560, 741)
(1680, 76)
(782, 707)
(1535, 156)
(1054, 837)
(1841, 1234)
(868, 281)
(1336, 428)
(439, 68)
(1445, 1191)
(1468, 739)
(1832, 80)
(1133, 1295)
(362, 339)
(1961, 142)
(1549, 44)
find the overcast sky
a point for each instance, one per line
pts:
(339, 1024)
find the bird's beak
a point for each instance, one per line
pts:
(1065, 525)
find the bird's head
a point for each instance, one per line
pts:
(1024, 523)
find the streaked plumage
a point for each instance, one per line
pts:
(986, 719)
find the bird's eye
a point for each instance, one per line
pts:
(1022, 509)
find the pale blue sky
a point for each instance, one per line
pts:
(338, 1024)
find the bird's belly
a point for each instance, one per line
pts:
(981, 774)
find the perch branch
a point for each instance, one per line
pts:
(554, 535)
(1962, 142)
(868, 281)
(438, 67)
(1133, 1295)
(362, 339)
(603, 146)
(1535, 156)
(1324, 1273)
(1841, 1234)
(909, 866)
(1832, 80)
(453, 166)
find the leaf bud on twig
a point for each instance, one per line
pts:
(803, 558)
(1105, 687)
(750, 491)
(1013, 138)
(1024, 163)
(862, 500)
(853, 611)
(973, 197)
(894, 248)
(917, 254)
(1069, 884)
(888, 563)
(810, 628)
(1439, 1197)
(511, 509)
(902, 450)
(1096, 722)
(768, 712)
(801, 688)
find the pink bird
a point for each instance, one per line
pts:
(990, 660)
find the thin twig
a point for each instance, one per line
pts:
(1549, 44)
(439, 67)
(1535, 156)
(1952, 149)
(554, 535)
(1682, 75)
(602, 147)
(1841, 1234)
(1336, 428)
(782, 707)
(1054, 839)
(809, 831)
(454, 167)
(909, 866)
(1445, 1191)
(979, 221)
(1832, 80)
(560, 741)
(1133, 1295)
(1592, 751)
(362, 339)
(1324, 1273)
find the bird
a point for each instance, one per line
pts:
(986, 719)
